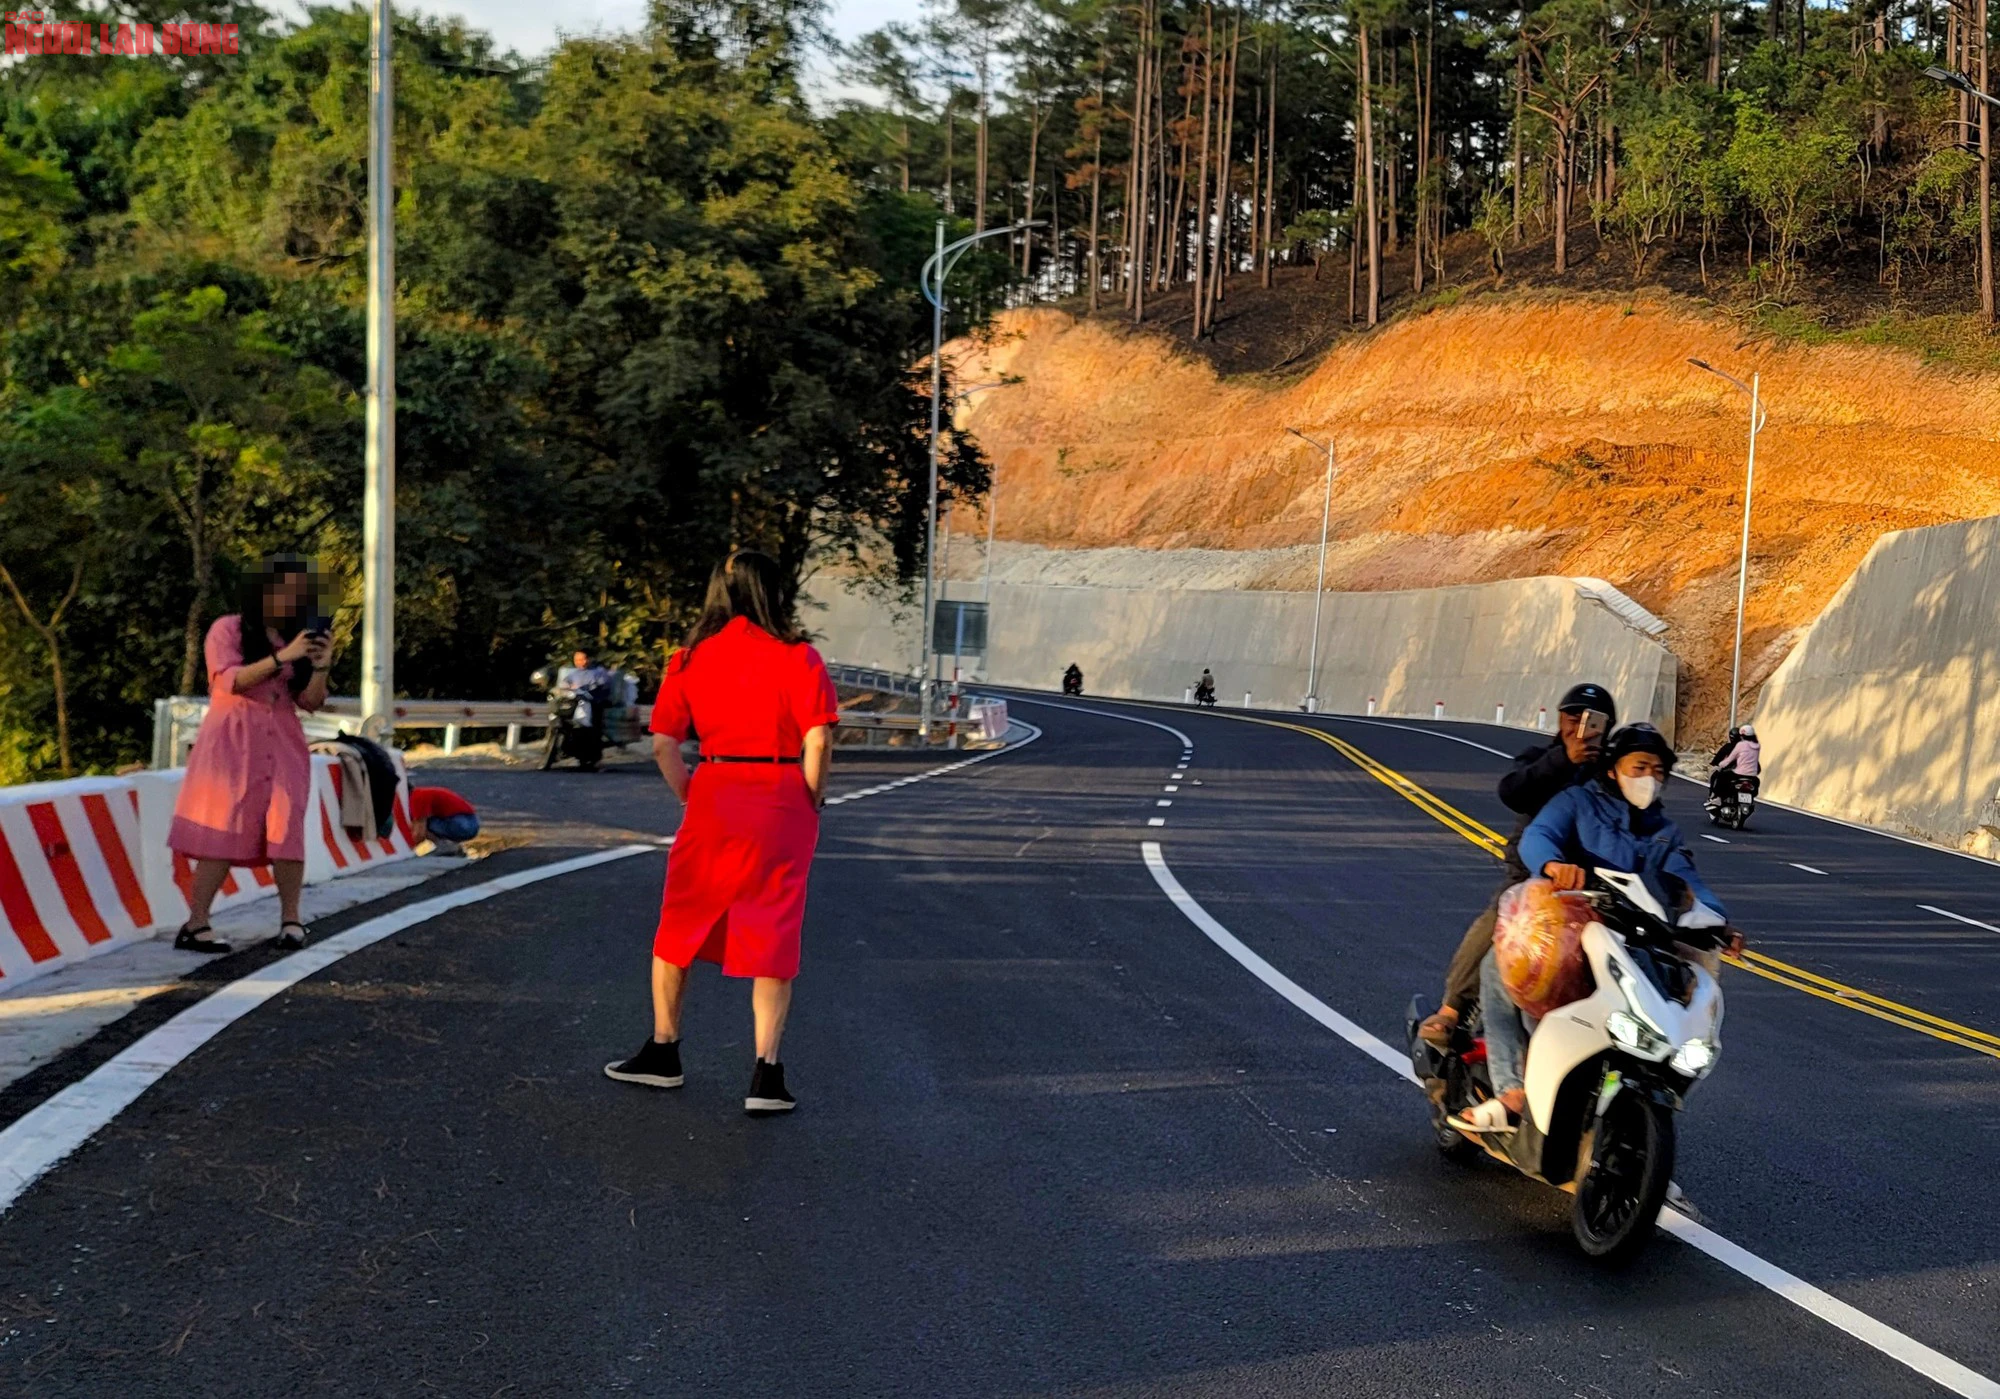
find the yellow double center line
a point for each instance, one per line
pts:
(1770, 968)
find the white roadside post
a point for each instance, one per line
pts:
(932, 279)
(1757, 419)
(378, 508)
(1319, 588)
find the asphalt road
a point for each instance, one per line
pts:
(1050, 1138)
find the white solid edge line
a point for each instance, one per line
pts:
(1828, 1308)
(1893, 1343)
(1947, 913)
(48, 1133)
(1312, 1005)
(1187, 744)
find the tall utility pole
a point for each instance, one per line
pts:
(1319, 588)
(378, 507)
(1757, 418)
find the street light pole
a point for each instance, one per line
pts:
(1959, 82)
(378, 507)
(1319, 588)
(932, 279)
(1757, 419)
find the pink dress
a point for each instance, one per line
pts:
(249, 777)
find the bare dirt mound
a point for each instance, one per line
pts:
(1500, 439)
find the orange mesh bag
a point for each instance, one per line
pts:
(1538, 944)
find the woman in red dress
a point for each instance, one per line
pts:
(763, 707)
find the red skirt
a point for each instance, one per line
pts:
(736, 879)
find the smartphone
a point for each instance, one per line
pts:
(319, 624)
(1592, 723)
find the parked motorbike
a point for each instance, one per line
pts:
(576, 725)
(1606, 1074)
(1731, 803)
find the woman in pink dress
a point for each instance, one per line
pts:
(763, 706)
(249, 778)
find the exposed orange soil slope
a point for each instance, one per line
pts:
(1501, 441)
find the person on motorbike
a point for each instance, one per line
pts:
(1204, 688)
(1740, 756)
(1610, 822)
(1584, 715)
(583, 675)
(1073, 680)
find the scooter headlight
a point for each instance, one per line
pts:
(1634, 1034)
(1693, 1059)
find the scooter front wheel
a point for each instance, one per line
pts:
(1618, 1199)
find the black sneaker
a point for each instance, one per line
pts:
(767, 1091)
(656, 1065)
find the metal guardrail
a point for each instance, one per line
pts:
(873, 678)
(176, 720)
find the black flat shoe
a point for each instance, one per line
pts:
(192, 940)
(293, 941)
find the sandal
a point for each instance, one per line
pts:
(193, 940)
(1437, 1029)
(1488, 1118)
(292, 942)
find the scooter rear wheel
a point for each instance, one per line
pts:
(1618, 1199)
(551, 748)
(1451, 1143)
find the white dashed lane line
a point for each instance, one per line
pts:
(1156, 820)
(1807, 868)
(1717, 839)
(1947, 913)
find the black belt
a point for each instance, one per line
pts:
(721, 758)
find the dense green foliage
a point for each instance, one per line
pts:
(1183, 139)
(647, 314)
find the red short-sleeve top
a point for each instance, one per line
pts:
(745, 694)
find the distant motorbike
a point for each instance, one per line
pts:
(1606, 1074)
(1732, 801)
(1204, 693)
(1072, 681)
(576, 725)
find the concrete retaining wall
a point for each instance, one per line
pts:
(1888, 710)
(1516, 644)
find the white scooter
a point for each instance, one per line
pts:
(1606, 1074)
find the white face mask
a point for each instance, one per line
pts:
(1642, 792)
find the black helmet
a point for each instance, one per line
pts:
(1639, 737)
(1587, 696)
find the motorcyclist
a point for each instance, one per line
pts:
(1739, 756)
(1614, 821)
(1584, 715)
(1073, 680)
(584, 675)
(1204, 688)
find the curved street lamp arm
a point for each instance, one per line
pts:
(951, 252)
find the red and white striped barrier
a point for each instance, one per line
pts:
(84, 864)
(71, 875)
(330, 850)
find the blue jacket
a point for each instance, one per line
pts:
(1589, 824)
